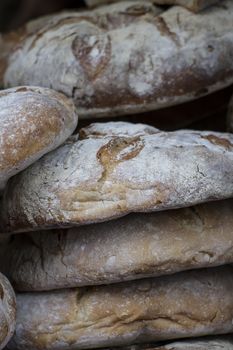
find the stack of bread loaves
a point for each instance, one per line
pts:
(122, 234)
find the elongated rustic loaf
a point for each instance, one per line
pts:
(188, 304)
(7, 311)
(33, 121)
(136, 246)
(194, 5)
(124, 58)
(101, 177)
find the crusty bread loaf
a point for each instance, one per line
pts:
(188, 304)
(125, 58)
(103, 177)
(7, 311)
(194, 5)
(136, 246)
(33, 121)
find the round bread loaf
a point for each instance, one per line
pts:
(125, 58)
(193, 5)
(33, 121)
(187, 304)
(133, 247)
(7, 311)
(114, 169)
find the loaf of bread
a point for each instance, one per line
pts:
(133, 247)
(124, 58)
(110, 172)
(188, 304)
(193, 5)
(7, 311)
(33, 121)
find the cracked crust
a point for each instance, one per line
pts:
(134, 247)
(187, 304)
(7, 311)
(100, 178)
(33, 121)
(167, 56)
(193, 5)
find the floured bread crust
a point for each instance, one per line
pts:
(7, 311)
(128, 57)
(193, 5)
(187, 304)
(99, 178)
(134, 247)
(33, 121)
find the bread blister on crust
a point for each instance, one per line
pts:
(114, 62)
(101, 178)
(33, 122)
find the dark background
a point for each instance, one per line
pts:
(14, 13)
